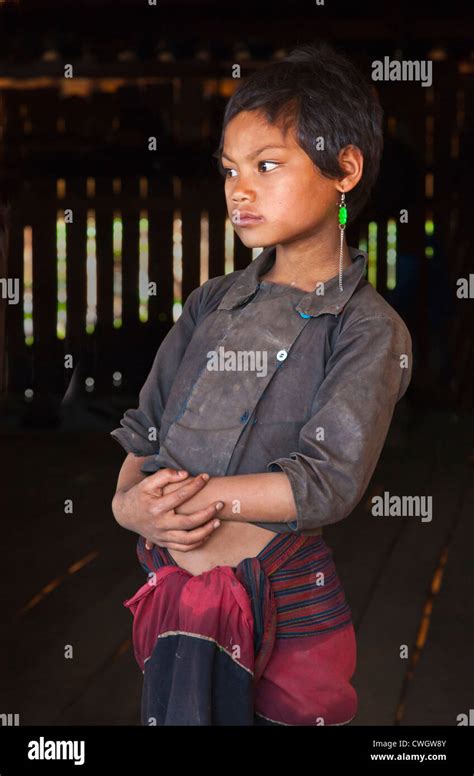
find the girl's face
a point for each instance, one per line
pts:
(271, 176)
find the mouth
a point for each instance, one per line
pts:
(246, 219)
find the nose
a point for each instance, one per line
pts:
(242, 190)
(242, 196)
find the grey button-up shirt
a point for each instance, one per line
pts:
(256, 376)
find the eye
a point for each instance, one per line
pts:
(225, 170)
(268, 162)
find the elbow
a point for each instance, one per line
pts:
(116, 506)
(322, 497)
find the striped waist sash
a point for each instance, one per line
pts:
(305, 589)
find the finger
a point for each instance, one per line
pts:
(188, 526)
(181, 522)
(196, 535)
(192, 530)
(163, 477)
(172, 500)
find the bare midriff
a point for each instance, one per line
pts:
(227, 546)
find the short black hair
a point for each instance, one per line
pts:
(322, 93)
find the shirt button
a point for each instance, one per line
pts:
(281, 355)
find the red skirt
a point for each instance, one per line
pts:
(268, 642)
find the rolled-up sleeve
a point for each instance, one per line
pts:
(140, 427)
(368, 371)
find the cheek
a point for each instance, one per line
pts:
(297, 202)
(298, 191)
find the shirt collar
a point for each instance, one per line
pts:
(332, 301)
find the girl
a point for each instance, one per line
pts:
(279, 381)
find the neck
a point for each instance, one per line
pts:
(307, 265)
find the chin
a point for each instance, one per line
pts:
(248, 242)
(253, 240)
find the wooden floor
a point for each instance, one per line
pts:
(70, 658)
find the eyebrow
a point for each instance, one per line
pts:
(255, 153)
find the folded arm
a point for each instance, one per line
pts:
(264, 497)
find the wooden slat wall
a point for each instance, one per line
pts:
(43, 221)
(191, 199)
(444, 165)
(105, 278)
(105, 260)
(76, 279)
(130, 252)
(160, 250)
(43, 111)
(17, 355)
(411, 235)
(216, 213)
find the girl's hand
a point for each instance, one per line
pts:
(172, 486)
(147, 510)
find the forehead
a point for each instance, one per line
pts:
(249, 130)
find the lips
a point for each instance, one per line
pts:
(247, 214)
(245, 217)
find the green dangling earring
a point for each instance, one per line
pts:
(342, 226)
